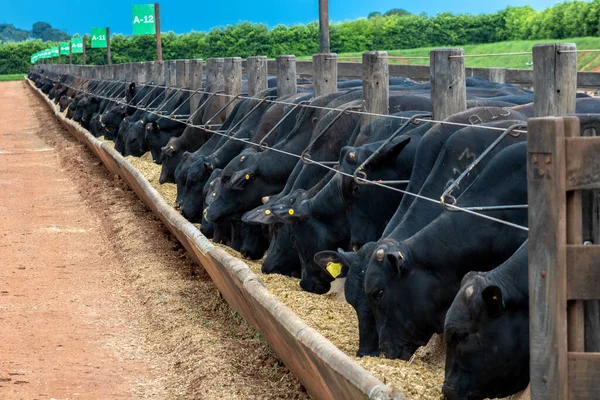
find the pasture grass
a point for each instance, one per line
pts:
(12, 77)
(586, 61)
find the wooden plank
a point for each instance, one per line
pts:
(325, 74)
(286, 76)
(554, 79)
(325, 371)
(547, 258)
(448, 82)
(584, 376)
(376, 85)
(575, 308)
(583, 272)
(583, 163)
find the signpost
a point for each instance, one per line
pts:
(65, 48)
(146, 21)
(55, 53)
(101, 40)
(77, 47)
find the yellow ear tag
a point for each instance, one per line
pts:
(214, 195)
(291, 211)
(268, 212)
(400, 255)
(335, 269)
(495, 297)
(247, 177)
(171, 147)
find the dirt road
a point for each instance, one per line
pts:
(97, 300)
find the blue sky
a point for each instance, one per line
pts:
(79, 16)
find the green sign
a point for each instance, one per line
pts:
(98, 38)
(144, 22)
(54, 51)
(77, 45)
(64, 48)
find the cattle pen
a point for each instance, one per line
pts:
(562, 250)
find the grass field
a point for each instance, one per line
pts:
(586, 61)
(12, 77)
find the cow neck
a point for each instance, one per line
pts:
(453, 245)
(512, 277)
(328, 202)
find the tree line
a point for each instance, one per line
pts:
(389, 31)
(40, 30)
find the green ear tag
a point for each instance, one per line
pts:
(335, 269)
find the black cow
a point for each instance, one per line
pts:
(411, 284)
(487, 333)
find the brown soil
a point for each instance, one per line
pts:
(97, 300)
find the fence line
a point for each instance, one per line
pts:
(366, 181)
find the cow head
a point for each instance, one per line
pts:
(408, 301)
(243, 184)
(282, 256)
(352, 265)
(487, 341)
(171, 157)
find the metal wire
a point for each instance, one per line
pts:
(376, 183)
(579, 51)
(518, 53)
(220, 93)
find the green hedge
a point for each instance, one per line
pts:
(380, 32)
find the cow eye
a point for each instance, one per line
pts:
(377, 296)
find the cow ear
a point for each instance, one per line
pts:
(493, 300)
(261, 215)
(392, 149)
(209, 167)
(396, 259)
(332, 262)
(240, 178)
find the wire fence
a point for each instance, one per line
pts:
(262, 146)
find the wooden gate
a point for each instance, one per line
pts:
(562, 270)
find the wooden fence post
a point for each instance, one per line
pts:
(180, 77)
(325, 73)
(554, 79)
(170, 75)
(187, 73)
(555, 90)
(214, 70)
(256, 70)
(158, 73)
(195, 83)
(448, 82)
(286, 76)
(232, 73)
(547, 199)
(376, 85)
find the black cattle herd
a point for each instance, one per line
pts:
(408, 263)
